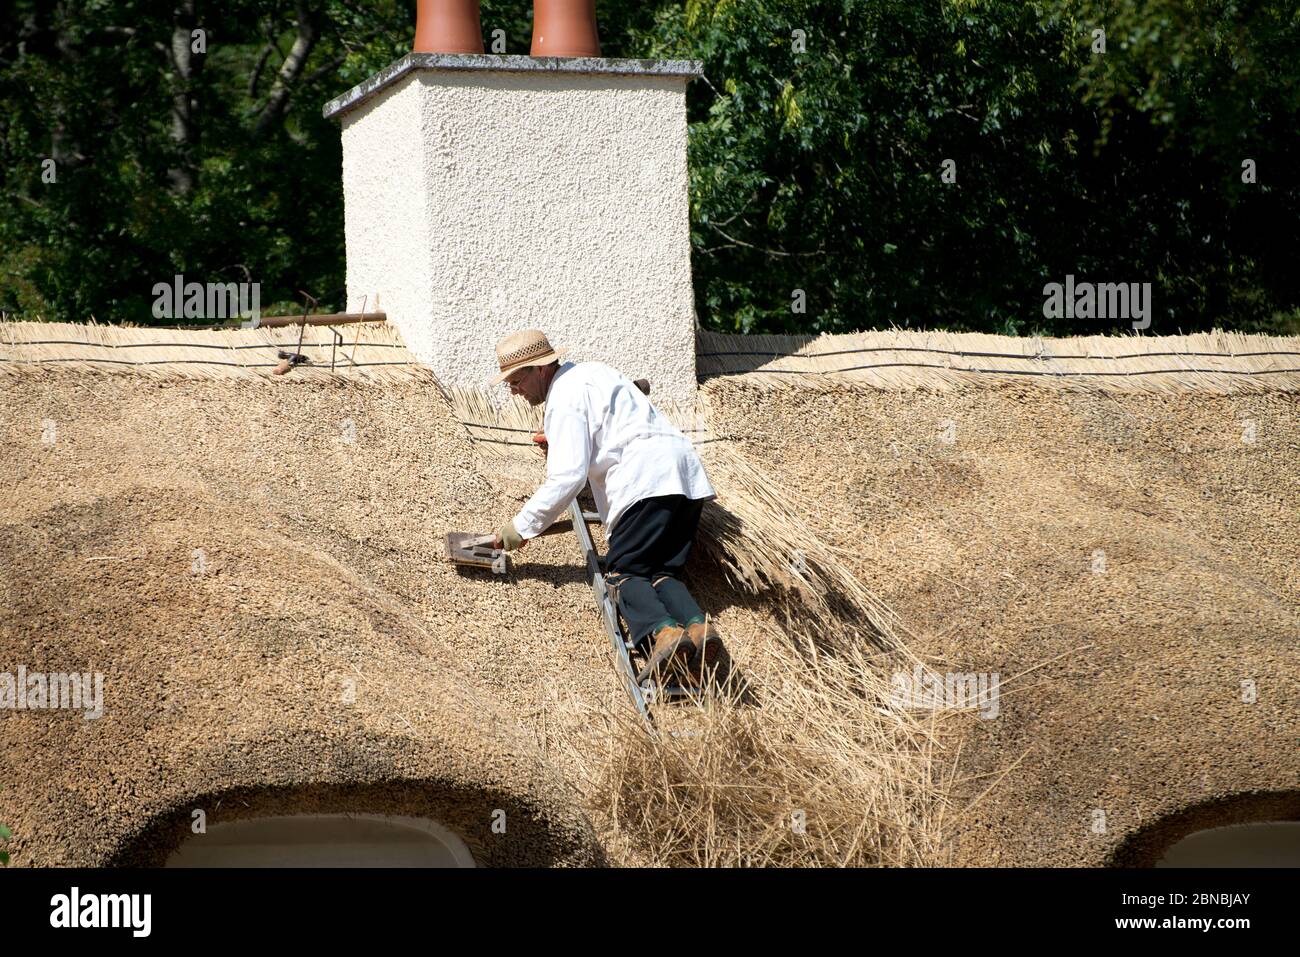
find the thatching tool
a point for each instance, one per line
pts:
(287, 361)
(476, 551)
(323, 319)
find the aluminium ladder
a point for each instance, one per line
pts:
(643, 694)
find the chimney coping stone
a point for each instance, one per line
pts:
(495, 63)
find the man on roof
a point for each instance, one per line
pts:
(648, 482)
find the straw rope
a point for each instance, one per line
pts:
(371, 352)
(1215, 362)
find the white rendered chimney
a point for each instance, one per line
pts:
(487, 194)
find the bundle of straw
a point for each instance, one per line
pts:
(822, 770)
(756, 533)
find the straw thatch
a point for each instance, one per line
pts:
(1218, 362)
(362, 351)
(1124, 561)
(256, 577)
(808, 764)
(319, 508)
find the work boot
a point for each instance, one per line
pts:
(671, 648)
(706, 641)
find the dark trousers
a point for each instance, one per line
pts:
(647, 552)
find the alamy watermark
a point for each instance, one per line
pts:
(1103, 300)
(956, 690)
(75, 909)
(39, 690)
(179, 299)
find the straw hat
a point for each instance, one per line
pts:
(521, 349)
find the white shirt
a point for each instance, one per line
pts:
(601, 428)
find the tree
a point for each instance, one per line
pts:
(853, 163)
(935, 165)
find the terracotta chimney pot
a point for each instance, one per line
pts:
(447, 26)
(565, 28)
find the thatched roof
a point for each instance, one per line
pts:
(319, 656)
(1124, 561)
(956, 519)
(363, 352)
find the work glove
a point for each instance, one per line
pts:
(508, 538)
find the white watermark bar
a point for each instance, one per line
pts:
(1106, 300)
(74, 910)
(179, 299)
(953, 691)
(55, 690)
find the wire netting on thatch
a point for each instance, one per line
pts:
(1220, 362)
(363, 351)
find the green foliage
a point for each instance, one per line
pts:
(821, 170)
(236, 190)
(817, 170)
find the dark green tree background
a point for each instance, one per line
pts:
(818, 139)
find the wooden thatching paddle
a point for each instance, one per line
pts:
(475, 550)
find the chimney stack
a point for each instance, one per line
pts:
(486, 194)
